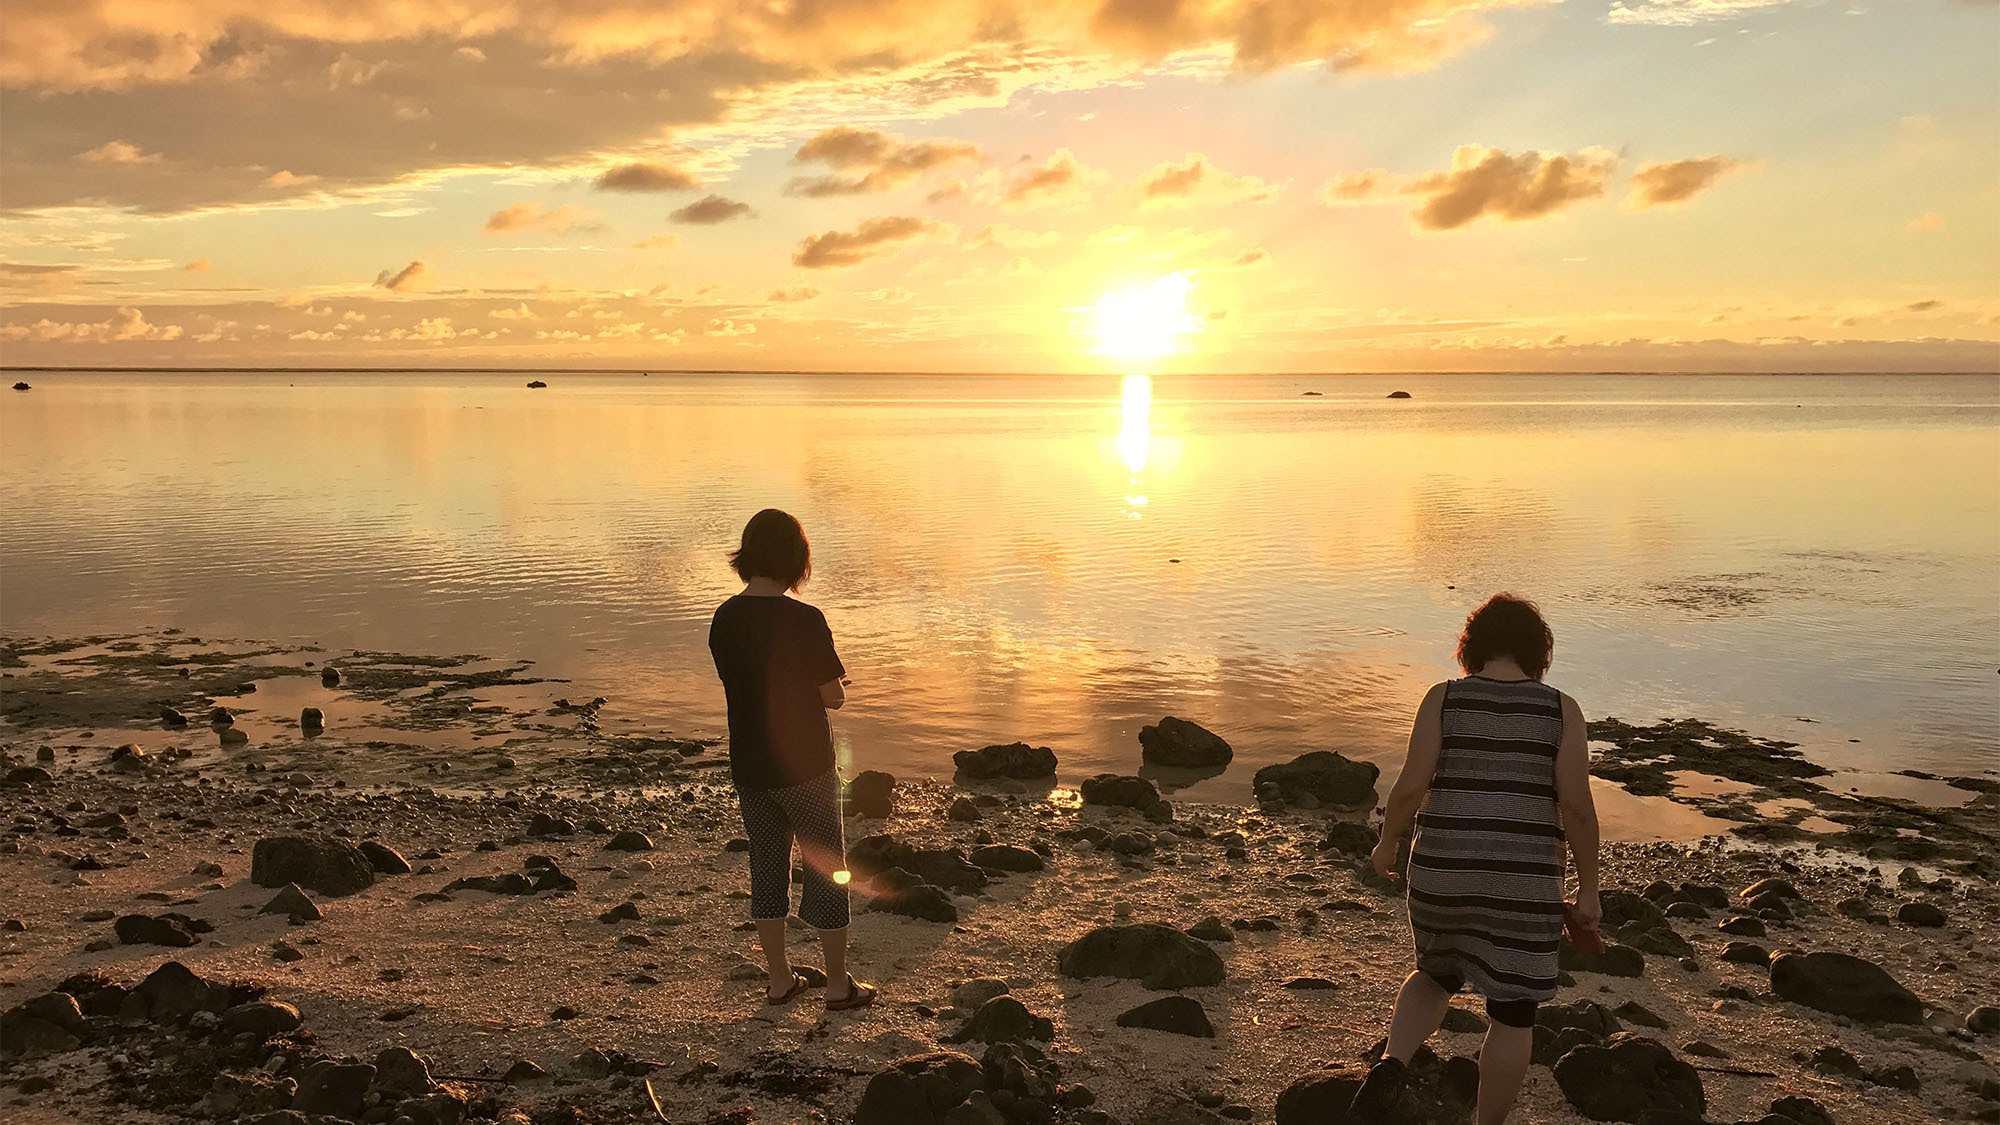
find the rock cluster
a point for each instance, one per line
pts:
(1183, 745)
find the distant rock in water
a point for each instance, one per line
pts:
(312, 719)
(1309, 394)
(536, 384)
(330, 677)
(1399, 394)
(1016, 760)
(172, 717)
(23, 387)
(1178, 742)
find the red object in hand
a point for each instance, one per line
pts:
(1579, 933)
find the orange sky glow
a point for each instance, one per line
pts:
(1008, 185)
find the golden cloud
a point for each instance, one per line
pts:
(1192, 180)
(1485, 181)
(874, 160)
(402, 280)
(1664, 184)
(850, 248)
(530, 216)
(710, 209)
(1059, 181)
(646, 176)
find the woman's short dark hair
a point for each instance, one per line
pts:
(774, 547)
(1506, 626)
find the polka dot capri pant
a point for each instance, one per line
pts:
(809, 812)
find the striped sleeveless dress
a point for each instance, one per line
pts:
(1486, 865)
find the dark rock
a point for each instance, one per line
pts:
(329, 676)
(523, 1071)
(1742, 926)
(512, 883)
(1309, 984)
(334, 1089)
(1836, 1060)
(962, 810)
(144, 929)
(897, 891)
(312, 719)
(1782, 888)
(1157, 956)
(1017, 760)
(1586, 1015)
(536, 385)
(1130, 843)
(29, 775)
(1983, 1020)
(262, 1018)
(293, 903)
(1398, 394)
(629, 841)
(1899, 1076)
(1182, 744)
(623, 912)
(220, 717)
(1318, 1100)
(1180, 1015)
(1746, 953)
(918, 1090)
(1920, 914)
(1119, 791)
(1805, 1111)
(1349, 838)
(401, 1072)
(1326, 776)
(872, 794)
(940, 867)
(439, 1107)
(174, 991)
(1003, 1019)
(546, 824)
(1459, 1020)
(1006, 857)
(317, 863)
(1844, 985)
(1628, 1079)
(1615, 961)
(171, 716)
(383, 858)
(1211, 928)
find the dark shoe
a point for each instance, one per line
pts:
(1375, 1102)
(858, 996)
(799, 984)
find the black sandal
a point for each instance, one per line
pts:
(799, 984)
(858, 996)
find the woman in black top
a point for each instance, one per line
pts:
(780, 673)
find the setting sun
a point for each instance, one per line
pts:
(1145, 320)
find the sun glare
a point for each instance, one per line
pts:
(1144, 321)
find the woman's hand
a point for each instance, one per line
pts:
(1384, 858)
(1588, 906)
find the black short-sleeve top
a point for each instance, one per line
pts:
(773, 653)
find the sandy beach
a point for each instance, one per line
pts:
(618, 968)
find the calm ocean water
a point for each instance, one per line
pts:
(1061, 559)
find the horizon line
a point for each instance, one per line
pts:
(642, 371)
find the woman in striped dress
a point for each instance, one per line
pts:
(1500, 766)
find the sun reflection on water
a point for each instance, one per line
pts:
(1135, 437)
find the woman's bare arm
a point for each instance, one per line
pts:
(1426, 741)
(1579, 810)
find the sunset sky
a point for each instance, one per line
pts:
(1002, 185)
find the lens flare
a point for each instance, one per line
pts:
(843, 877)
